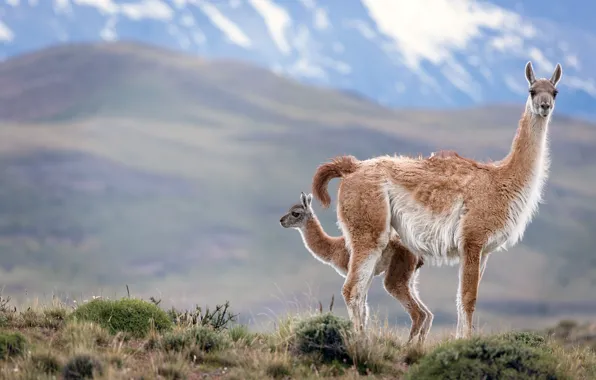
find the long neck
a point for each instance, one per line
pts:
(326, 248)
(528, 157)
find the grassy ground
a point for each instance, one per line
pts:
(135, 339)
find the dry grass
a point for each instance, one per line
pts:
(54, 341)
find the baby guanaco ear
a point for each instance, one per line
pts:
(309, 199)
(556, 75)
(303, 200)
(530, 77)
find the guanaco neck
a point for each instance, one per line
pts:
(528, 157)
(324, 247)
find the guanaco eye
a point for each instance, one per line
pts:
(555, 93)
(295, 214)
(532, 92)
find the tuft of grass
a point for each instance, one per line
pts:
(240, 333)
(171, 372)
(278, 369)
(82, 367)
(83, 335)
(218, 319)
(128, 315)
(52, 318)
(46, 362)
(370, 353)
(413, 355)
(11, 344)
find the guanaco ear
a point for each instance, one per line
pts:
(556, 75)
(309, 199)
(530, 77)
(303, 200)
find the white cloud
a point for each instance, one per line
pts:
(187, 20)
(486, 73)
(432, 29)
(572, 61)
(235, 4)
(59, 30)
(507, 43)
(305, 68)
(277, 20)
(362, 27)
(62, 6)
(146, 9)
(339, 66)
(586, 85)
(321, 19)
(231, 30)
(108, 33)
(539, 61)
(13, 3)
(152, 9)
(104, 6)
(461, 79)
(308, 4)
(5, 33)
(179, 4)
(182, 39)
(514, 84)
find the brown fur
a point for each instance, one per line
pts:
(481, 194)
(399, 265)
(338, 167)
(344, 165)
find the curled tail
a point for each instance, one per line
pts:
(338, 167)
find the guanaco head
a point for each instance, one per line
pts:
(543, 92)
(298, 214)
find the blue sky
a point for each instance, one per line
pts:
(575, 13)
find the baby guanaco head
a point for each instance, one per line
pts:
(298, 214)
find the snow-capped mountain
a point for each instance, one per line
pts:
(423, 53)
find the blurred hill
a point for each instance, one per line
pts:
(123, 164)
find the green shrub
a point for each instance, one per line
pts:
(486, 358)
(207, 339)
(46, 363)
(4, 319)
(11, 344)
(82, 367)
(324, 335)
(127, 315)
(175, 341)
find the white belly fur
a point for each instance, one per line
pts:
(436, 237)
